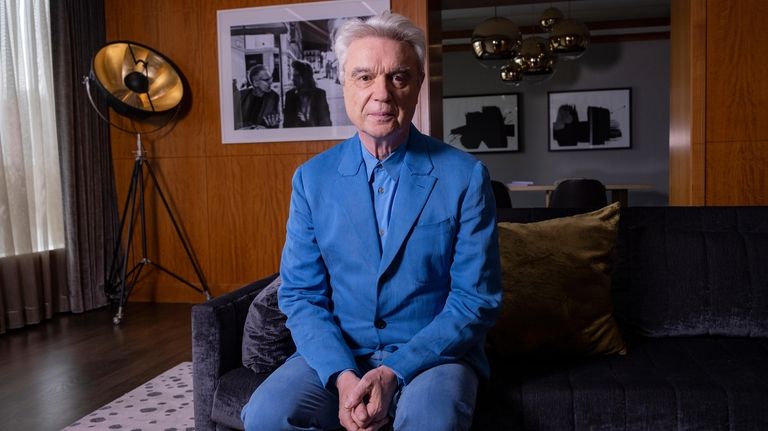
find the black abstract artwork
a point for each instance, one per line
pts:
(481, 123)
(484, 126)
(597, 129)
(588, 120)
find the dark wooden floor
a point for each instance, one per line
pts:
(56, 372)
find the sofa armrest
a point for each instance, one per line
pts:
(217, 333)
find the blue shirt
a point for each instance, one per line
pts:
(382, 177)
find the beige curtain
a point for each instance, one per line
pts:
(31, 215)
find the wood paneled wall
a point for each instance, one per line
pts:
(737, 97)
(232, 200)
(718, 144)
(687, 88)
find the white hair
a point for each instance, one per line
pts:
(385, 25)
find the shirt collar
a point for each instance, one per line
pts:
(391, 164)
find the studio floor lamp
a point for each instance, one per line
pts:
(139, 83)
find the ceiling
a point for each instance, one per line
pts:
(457, 16)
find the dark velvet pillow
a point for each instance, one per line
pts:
(267, 342)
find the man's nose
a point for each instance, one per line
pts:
(381, 90)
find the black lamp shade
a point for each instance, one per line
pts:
(136, 80)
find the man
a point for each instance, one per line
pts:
(257, 107)
(390, 268)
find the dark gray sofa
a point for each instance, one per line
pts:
(690, 289)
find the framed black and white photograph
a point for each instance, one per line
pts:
(482, 124)
(278, 74)
(590, 119)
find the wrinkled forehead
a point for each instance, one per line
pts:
(380, 52)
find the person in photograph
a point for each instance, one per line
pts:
(305, 104)
(390, 269)
(257, 106)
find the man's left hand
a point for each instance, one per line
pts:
(375, 390)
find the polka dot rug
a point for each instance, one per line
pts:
(163, 403)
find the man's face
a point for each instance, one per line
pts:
(381, 86)
(261, 82)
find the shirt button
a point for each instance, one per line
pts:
(381, 190)
(380, 324)
(381, 232)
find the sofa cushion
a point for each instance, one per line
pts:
(267, 342)
(707, 383)
(556, 281)
(693, 271)
(234, 389)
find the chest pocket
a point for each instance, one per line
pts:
(429, 250)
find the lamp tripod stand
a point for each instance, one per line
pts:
(120, 280)
(138, 82)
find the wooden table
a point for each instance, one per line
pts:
(619, 192)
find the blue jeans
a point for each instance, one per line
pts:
(293, 398)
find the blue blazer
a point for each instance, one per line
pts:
(429, 296)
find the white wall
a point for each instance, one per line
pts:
(643, 66)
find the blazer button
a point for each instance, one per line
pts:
(380, 324)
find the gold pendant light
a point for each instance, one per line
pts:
(568, 39)
(511, 73)
(535, 59)
(550, 17)
(497, 42)
(496, 38)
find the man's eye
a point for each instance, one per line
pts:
(362, 80)
(400, 80)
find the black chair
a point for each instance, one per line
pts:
(584, 193)
(501, 194)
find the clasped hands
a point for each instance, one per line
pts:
(364, 402)
(267, 122)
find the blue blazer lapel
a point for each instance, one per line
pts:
(413, 190)
(355, 199)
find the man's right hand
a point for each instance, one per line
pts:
(360, 421)
(272, 120)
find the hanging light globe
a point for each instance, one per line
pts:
(568, 39)
(496, 38)
(511, 73)
(535, 59)
(550, 17)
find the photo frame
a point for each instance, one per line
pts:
(265, 53)
(590, 119)
(483, 123)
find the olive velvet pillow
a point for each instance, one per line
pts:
(267, 342)
(557, 287)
